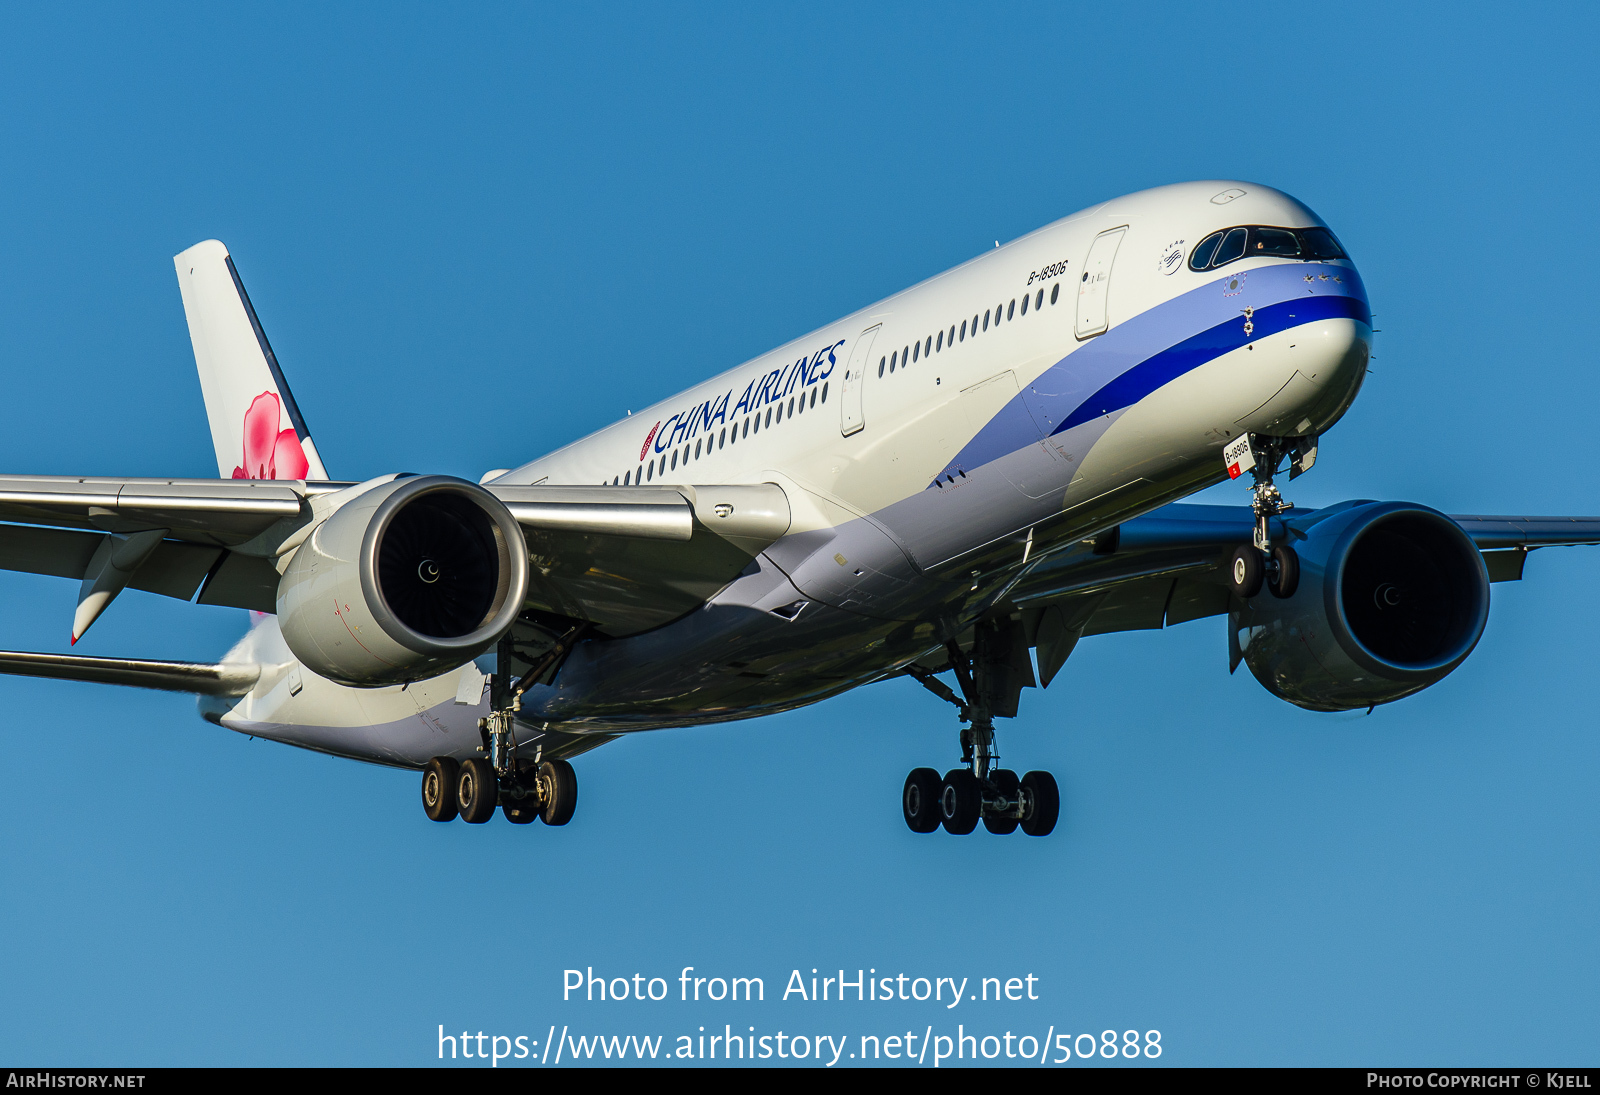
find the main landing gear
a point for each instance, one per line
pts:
(472, 789)
(1261, 562)
(978, 790)
(547, 790)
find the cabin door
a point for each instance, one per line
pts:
(852, 418)
(1094, 286)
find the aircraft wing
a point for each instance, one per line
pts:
(621, 558)
(1170, 566)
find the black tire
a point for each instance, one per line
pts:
(477, 791)
(960, 802)
(1045, 803)
(525, 812)
(1246, 571)
(1286, 574)
(1005, 781)
(439, 788)
(919, 801)
(558, 786)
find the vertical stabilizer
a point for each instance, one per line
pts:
(256, 428)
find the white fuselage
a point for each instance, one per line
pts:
(1050, 387)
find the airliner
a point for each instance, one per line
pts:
(956, 484)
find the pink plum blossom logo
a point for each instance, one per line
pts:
(270, 453)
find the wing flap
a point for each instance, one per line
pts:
(215, 511)
(60, 553)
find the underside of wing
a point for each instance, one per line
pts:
(1170, 566)
(627, 559)
(623, 559)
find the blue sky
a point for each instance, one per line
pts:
(474, 236)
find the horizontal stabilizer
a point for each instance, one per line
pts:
(198, 678)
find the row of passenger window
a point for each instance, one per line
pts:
(934, 343)
(728, 435)
(958, 333)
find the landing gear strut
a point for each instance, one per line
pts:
(979, 790)
(547, 790)
(1261, 561)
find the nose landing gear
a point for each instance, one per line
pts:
(1261, 562)
(978, 790)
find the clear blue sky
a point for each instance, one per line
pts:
(475, 234)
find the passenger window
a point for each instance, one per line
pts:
(769, 416)
(928, 349)
(1055, 292)
(650, 470)
(1039, 303)
(1231, 247)
(963, 330)
(813, 397)
(952, 338)
(891, 361)
(674, 459)
(1012, 310)
(904, 360)
(722, 438)
(791, 404)
(747, 427)
(824, 391)
(974, 324)
(1024, 304)
(697, 450)
(1274, 241)
(916, 350)
(1201, 258)
(986, 320)
(940, 344)
(881, 360)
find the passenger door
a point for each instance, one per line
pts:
(1095, 284)
(852, 418)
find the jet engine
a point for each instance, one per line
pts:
(1391, 597)
(407, 580)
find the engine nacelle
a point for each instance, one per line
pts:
(405, 581)
(1391, 598)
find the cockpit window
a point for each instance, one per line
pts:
(1274, 241)
(1231, 244)
(1318, 243)
(1231, 247)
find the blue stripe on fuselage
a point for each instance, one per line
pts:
(1146, 351)
(1192, 353)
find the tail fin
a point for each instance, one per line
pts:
(255, 426)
